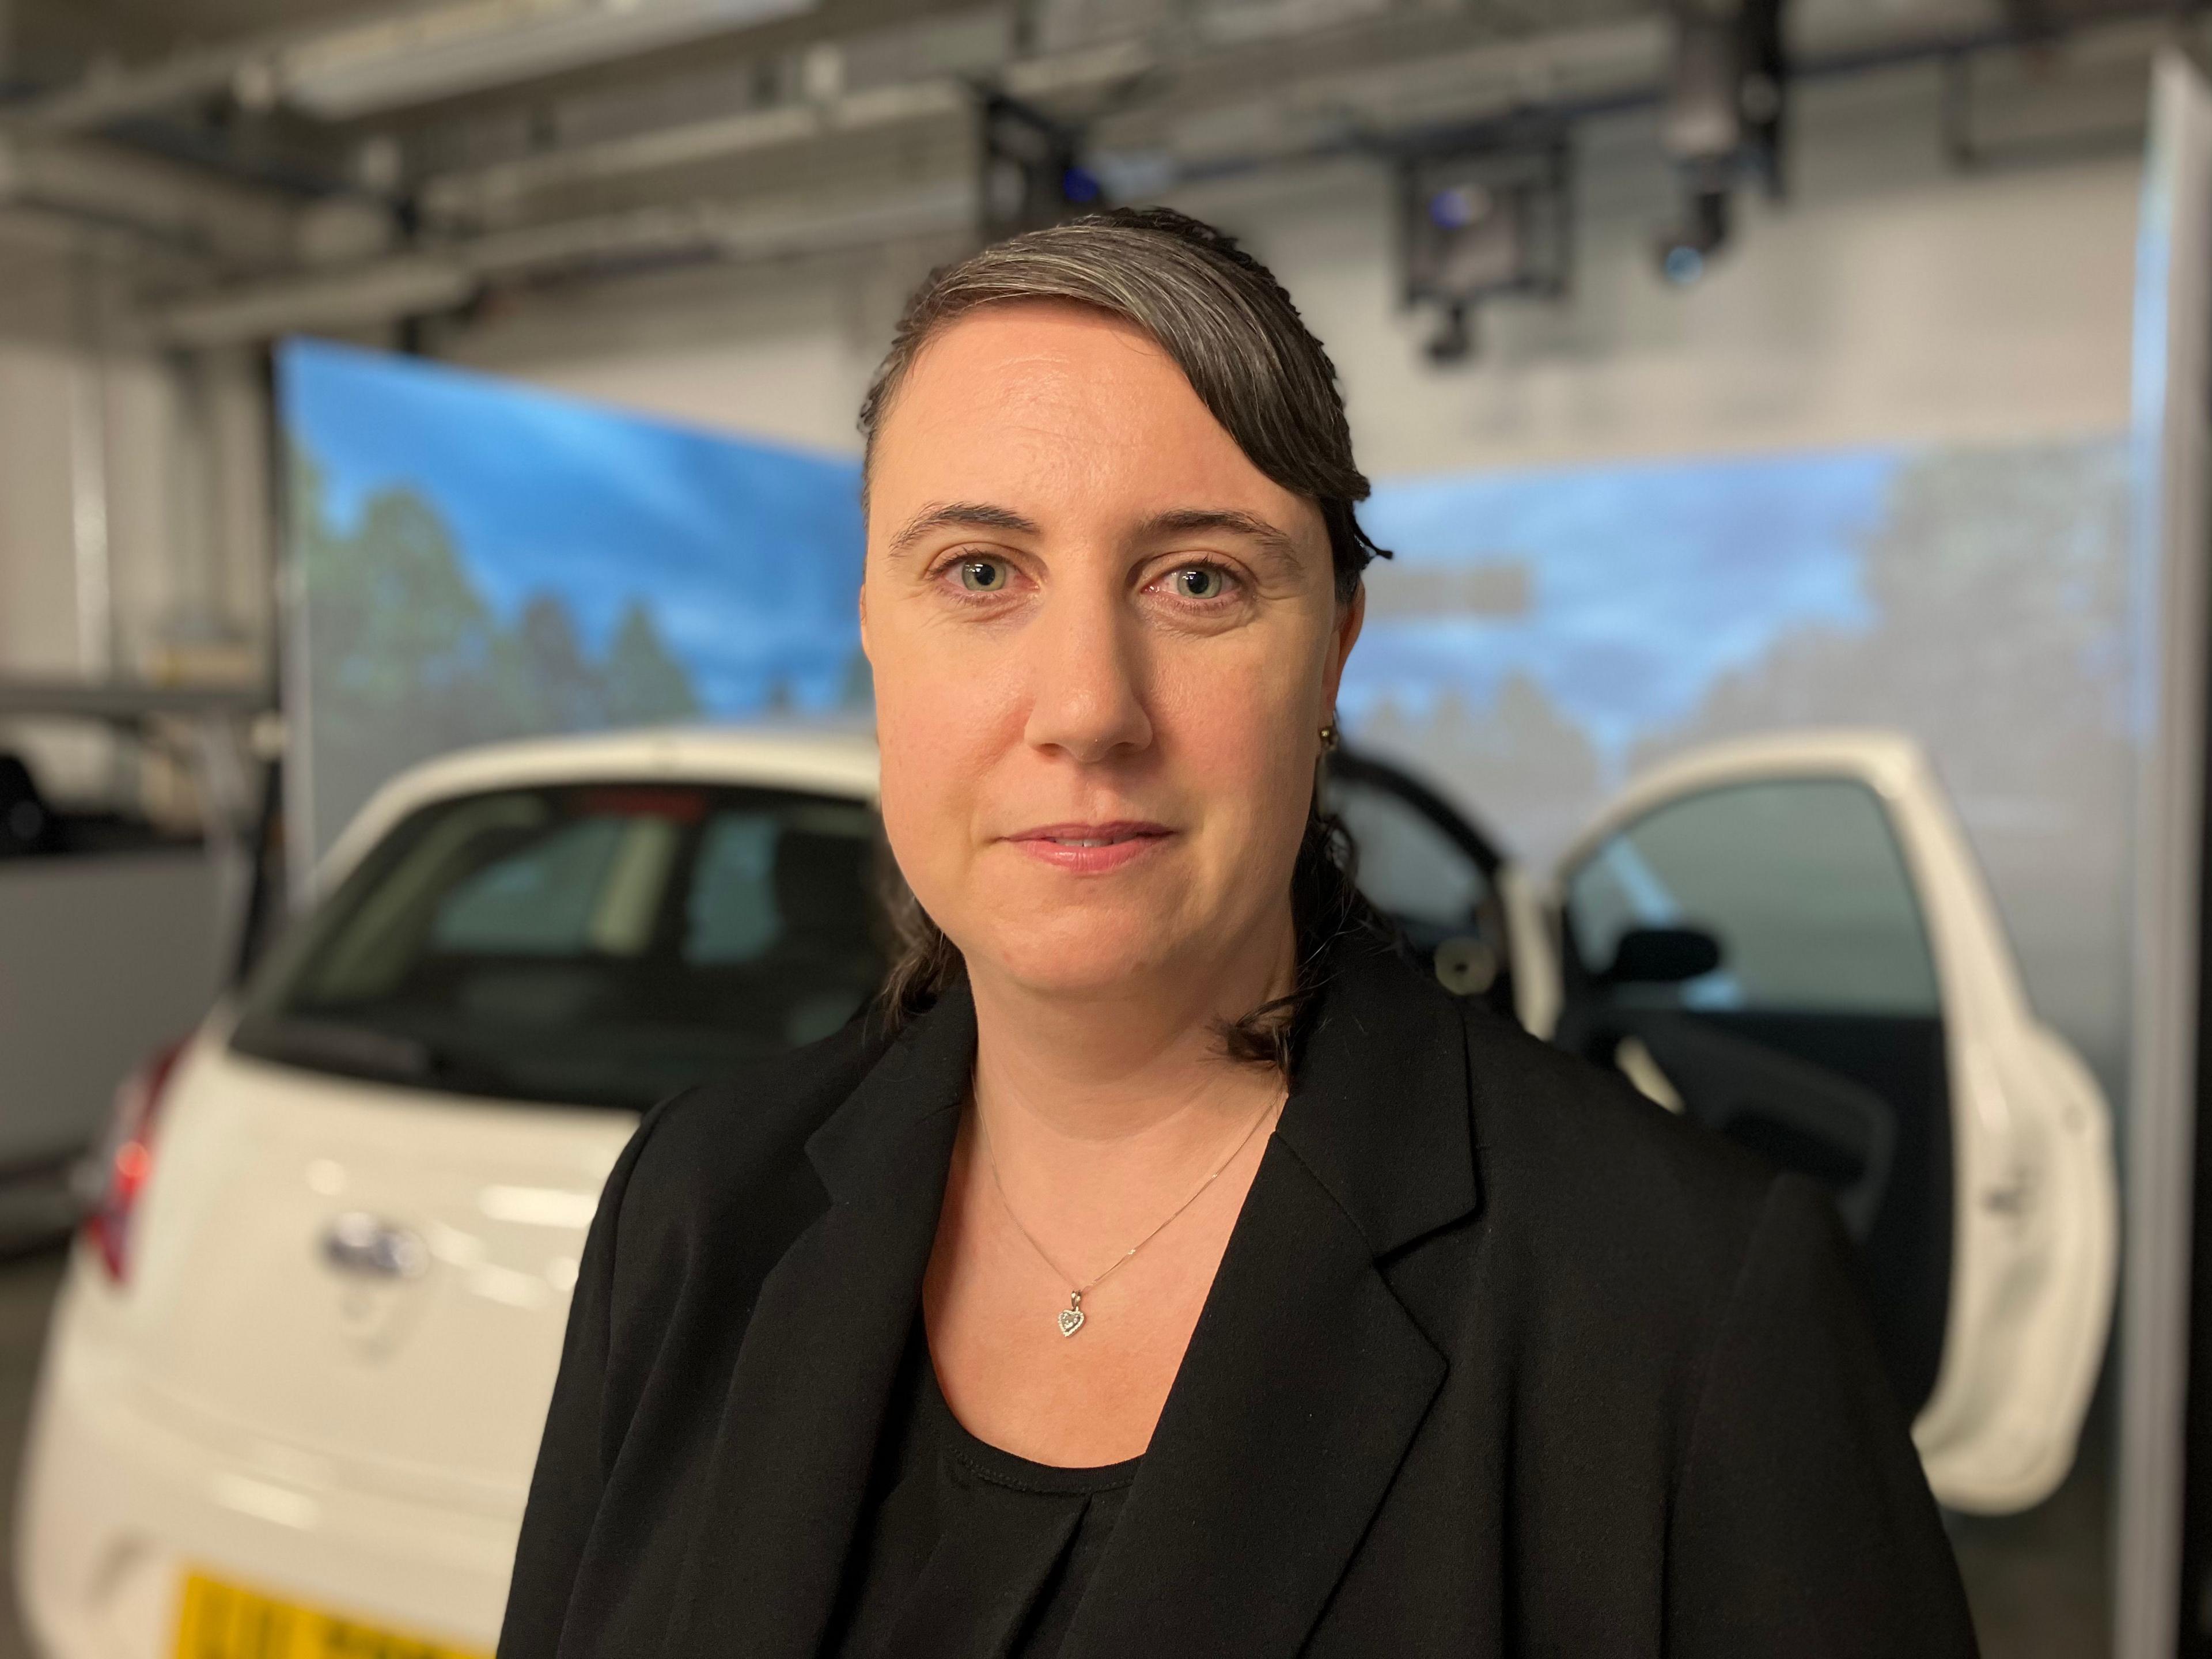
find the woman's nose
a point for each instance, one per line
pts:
(1086, 674)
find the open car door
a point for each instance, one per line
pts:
(1788, 939)
(1463, 907)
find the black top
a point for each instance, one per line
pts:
(964, 1551)
(1501, 1359)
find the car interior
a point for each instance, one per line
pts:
(596, 945)
(1761, 945)
(1751, 955)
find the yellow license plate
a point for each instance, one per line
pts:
(222, 1621)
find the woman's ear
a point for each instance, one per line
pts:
(864, 652)
(1349, 618)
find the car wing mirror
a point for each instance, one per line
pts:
(1663, 955)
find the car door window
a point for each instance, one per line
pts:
(1430, 871)
(1408, 865)
(1800, 881)
(1814, 1034)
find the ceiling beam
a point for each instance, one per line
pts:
(182, 208)
(124, 703)
(441, 280)
(414, 53)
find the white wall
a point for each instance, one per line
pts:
(134, 504)
(39, 578)
(1943, 309)
(783, 351)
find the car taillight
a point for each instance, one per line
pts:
(118, 1174)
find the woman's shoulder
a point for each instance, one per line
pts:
(1576, 1158)
(723, 1143)
(1574, 1172)
(1538, 1101)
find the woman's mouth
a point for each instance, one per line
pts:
(1090, 848)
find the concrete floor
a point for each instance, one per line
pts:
(2038, 1583)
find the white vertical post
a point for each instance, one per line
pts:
(2173, 378)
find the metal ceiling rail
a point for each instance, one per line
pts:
(443, 278)
(184, 207)
(112, 94)
(262, 67)
(1344, 88)
(713, 139)
(1575, 63)
(1594, 67)
(123, 702)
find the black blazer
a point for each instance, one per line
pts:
(1501, 1359)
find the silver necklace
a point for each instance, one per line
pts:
(1070, 1318)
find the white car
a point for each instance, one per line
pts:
(293, 1388)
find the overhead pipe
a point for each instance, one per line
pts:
(346, 69)
(180, 207)
(1590, 73)
(444, 279)
(1584, 60)
(1596, 69)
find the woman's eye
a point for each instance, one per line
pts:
(983, 575)
(1200, 582)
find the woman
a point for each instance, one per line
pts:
(1170, 1269)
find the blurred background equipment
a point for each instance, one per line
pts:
(1488, 216)
(1033, 171)
(28, 824)
(353, 165)
(1723, 120)
(115, 930)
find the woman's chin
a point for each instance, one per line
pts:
(1083, 958)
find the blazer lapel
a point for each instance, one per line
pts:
(820, 1354)
(1306, 1379)
(1305, 1382)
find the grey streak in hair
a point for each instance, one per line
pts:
(1217, 312)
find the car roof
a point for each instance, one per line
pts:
(825, 759)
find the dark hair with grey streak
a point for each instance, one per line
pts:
(1223, 320)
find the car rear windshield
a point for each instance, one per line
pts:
(598, 944)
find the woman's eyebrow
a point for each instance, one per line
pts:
(1195, 520)
(965, 515)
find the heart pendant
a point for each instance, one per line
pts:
(1071, 1321)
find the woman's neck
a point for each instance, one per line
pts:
(1110, 1151)
(1142, 1068)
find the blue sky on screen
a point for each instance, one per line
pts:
(1647, 581)
(748, 553)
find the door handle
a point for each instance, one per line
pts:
(360, 1243)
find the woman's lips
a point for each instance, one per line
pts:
(1090, 849)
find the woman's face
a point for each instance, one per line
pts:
(1104, 644)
